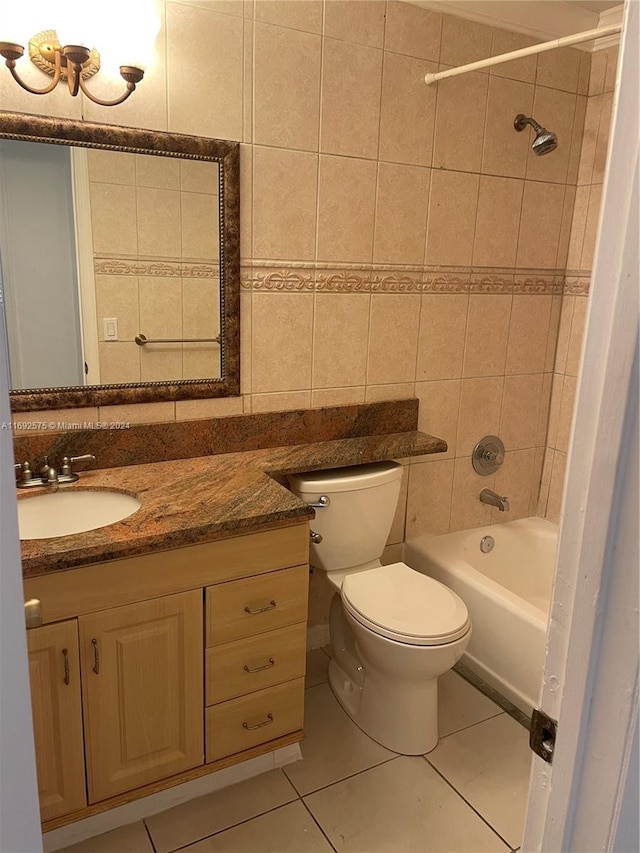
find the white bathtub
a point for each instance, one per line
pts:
(507, 593)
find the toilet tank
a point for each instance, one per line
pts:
(355, 524)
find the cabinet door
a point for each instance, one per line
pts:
(54, 670)
(142, 685)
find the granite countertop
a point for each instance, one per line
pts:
(196, 500)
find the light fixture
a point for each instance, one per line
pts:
(68, 52)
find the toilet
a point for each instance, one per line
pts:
(392, 629)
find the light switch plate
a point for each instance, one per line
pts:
(110, 326)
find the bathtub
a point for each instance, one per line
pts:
(507, 592)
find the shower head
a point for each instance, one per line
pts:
(545, 140)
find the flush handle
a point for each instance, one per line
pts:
(322, 502)
(316, 538)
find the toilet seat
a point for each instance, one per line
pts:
(403, 605)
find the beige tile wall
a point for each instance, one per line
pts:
(397, 239)
(591, 164)
(156, 251)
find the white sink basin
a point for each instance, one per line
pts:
(63, 513)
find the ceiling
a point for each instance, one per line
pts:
(541, 19)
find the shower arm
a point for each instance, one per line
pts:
(565, 41)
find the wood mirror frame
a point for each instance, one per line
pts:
(31, 128)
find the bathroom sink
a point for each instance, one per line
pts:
(63, 513)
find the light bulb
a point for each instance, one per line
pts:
(20, 21)
(135, 42)
(78, 22)
(126, 36)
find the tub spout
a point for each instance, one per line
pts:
(491, 498)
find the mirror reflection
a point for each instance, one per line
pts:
(98, 248)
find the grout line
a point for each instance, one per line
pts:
(485, 125)
(498, 713)
(350, 776)
(376, 197)
(504, 373)
(321, 71)
(380, 99)
(318, 824)
(234, 825)
(453, 788)
(153, 846)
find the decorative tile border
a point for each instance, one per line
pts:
(577, 286)
(534, 284)
(284, 279)
(391, 281)
(156, 268)
(343, 281)
(491, 283)
(446, 282)
(299, 276)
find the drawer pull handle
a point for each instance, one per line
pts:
(65, 657)
(266, 722)
(270, 606)
(260, 668)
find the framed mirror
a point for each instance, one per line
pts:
(119, 263)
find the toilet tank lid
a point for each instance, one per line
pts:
(346, 479)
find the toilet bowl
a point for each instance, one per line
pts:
(393, 630)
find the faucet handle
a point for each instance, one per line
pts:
(87, 457)
(23, 471)
(66, 470)
(67, 462)
(488, 455)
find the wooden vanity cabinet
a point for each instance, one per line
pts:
(54, 671)
(142, 688)
(175, 664)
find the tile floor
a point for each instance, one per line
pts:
(350, 795)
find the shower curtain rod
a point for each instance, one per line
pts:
(565, 41)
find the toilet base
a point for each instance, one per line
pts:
(389, 690)
(411, 728)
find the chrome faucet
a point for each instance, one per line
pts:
(488, 497)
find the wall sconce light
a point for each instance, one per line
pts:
(72, 55)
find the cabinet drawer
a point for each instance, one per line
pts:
(260, 717)
(255, 663)
(243, 608)
(115, 583)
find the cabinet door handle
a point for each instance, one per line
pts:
(96, 656)
(260, 668)
(266, 722)
(65, 657)
(269, 606)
